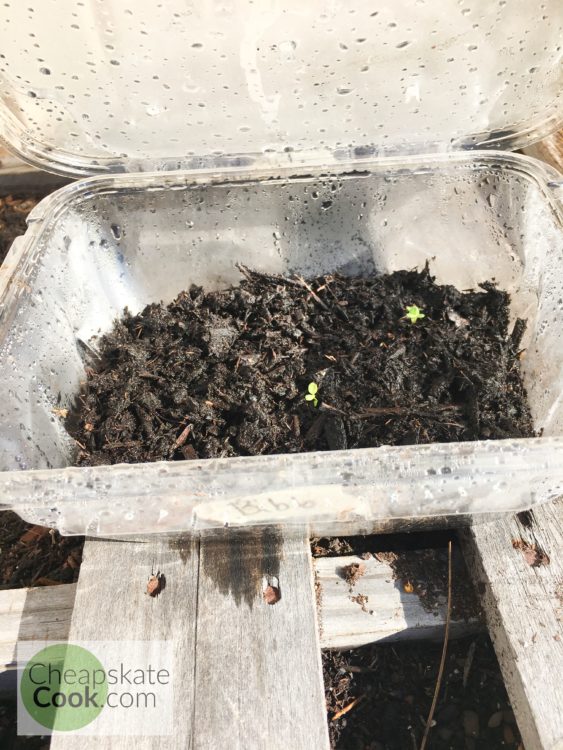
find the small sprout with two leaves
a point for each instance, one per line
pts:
(311, 395)
(414, 313)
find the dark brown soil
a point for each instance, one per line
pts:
(35, 556)
(226, 373)
(394, 685)
(13, 213)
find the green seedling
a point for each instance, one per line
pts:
(311, 395)
(414, 313)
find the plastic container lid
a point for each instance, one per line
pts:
(105, 86)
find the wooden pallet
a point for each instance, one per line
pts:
(213, 608)
(236, 656)
(391, 614)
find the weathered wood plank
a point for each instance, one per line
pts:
(258, 673)
(112, 605)
(523, 602)
(377, 607)
(34, 614)
(45, 613)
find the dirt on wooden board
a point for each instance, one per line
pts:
(419, 567)
(229, 373)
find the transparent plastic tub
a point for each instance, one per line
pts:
(104, 243)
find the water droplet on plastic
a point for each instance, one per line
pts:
(287, 47)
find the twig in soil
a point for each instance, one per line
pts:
(444, 652)
(182, 437)
(90, 349)
(347, 708)
(271, 277)
(324, 405)
(148, 375)
(315, 296)
(359, 670)
(468, 662)
(326, 285)
(415, 410)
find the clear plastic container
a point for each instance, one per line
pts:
(90, 251)
(287, 136)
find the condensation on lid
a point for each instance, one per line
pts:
(91, 86)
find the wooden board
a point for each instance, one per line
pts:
(377, 607)
(45, 613)
(524, 611)
(112, 605)
(33, 615)
(254, 680)
(41, 613)
(258, 675)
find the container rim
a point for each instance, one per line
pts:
(48, 207)
(351, 488)
(63, 162)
